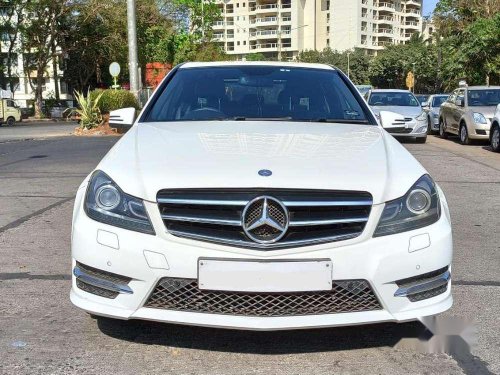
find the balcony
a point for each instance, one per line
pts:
(386, 6)
(265, 20)
(286, 19)
(383, 19)
(264, 8)
(383, 32)
(413, 2)
(218, 37)
(411, 12)
(270, 46)
(412, 25)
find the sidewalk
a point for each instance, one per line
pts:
(36, 130)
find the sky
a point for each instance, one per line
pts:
(429, 6)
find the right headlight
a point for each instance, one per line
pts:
(107, 203)
(479, 118)
(418, 208)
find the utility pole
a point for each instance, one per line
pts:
(132, 48)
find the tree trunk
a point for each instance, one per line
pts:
(39, 92)
(54, 68)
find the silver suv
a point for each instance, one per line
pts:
(468, 112)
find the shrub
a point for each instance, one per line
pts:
(114, 99)
(88, 109)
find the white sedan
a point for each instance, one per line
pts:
(260, 196)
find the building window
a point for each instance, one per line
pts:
(244, 42)
(237, 5)
(244, 5)
(238, 43)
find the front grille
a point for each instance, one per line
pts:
(315, 216)
(399, 130)
(184, 295)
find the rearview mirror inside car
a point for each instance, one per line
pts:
(122, 118)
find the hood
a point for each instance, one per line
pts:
(155, 156)
(405, 111)
(487, 112)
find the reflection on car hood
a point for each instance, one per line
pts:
(488, 112)
(155, 156)
(405, 111)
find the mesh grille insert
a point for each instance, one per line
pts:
(184, 295)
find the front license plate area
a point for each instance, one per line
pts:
(264, 276)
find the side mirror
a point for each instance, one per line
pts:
(459, 102)
(497, 111)
(391, 119)
(425, 105)
(122, 118)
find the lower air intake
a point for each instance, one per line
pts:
(184, 295)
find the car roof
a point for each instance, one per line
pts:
(481, 87)
(254, 63)
(390, 90)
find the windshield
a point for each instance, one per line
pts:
(398, 99)
(422, 98)
(257, 93)
(438, 100)
(483, 98)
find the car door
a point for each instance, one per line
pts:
(447, 108)
(459, 110)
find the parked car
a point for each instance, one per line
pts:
(468, 113)
(363, 89)
(495, 131)
(422, 98)
(431, 107)
(259, 196)
(413, 121)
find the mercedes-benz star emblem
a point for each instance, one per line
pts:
(265, 220)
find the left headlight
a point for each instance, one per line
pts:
(421, 117)
(107, 203)
(418, 208)
(479, 118)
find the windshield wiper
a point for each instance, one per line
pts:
(337, 121)
(241, 118)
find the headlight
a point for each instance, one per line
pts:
(418, 208)
(421, 117)
(106, 203)
(479, 118)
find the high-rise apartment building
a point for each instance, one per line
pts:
(285, 27)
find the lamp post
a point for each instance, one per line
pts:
(132, 48)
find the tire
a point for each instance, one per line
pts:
(442, 132)
(495, 138)
(11, 121)
(421, 139)
(463, 134)
(429, 126)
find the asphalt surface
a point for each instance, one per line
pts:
(42, 333)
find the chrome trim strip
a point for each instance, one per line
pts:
(328, 222)
(367, 202)
(424, 286)
(221, 202)
(236, 223)
(100, 283)
(258, 246)
(207, 202)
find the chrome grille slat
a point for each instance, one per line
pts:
(215, 215)
(207, 220)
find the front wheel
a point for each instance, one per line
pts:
(442, 131)
(429, 126)
(464, 135)
(11, 121)
(495, 138)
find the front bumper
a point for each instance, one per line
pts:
(145, 259)
(413, 129)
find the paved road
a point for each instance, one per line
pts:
(41, 332)
(36, 130)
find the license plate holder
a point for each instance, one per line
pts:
(264, 276)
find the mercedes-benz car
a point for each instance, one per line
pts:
(259, 196)
(413, 120)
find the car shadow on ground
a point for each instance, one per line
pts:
(255, 342)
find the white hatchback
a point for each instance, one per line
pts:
(260, 196)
